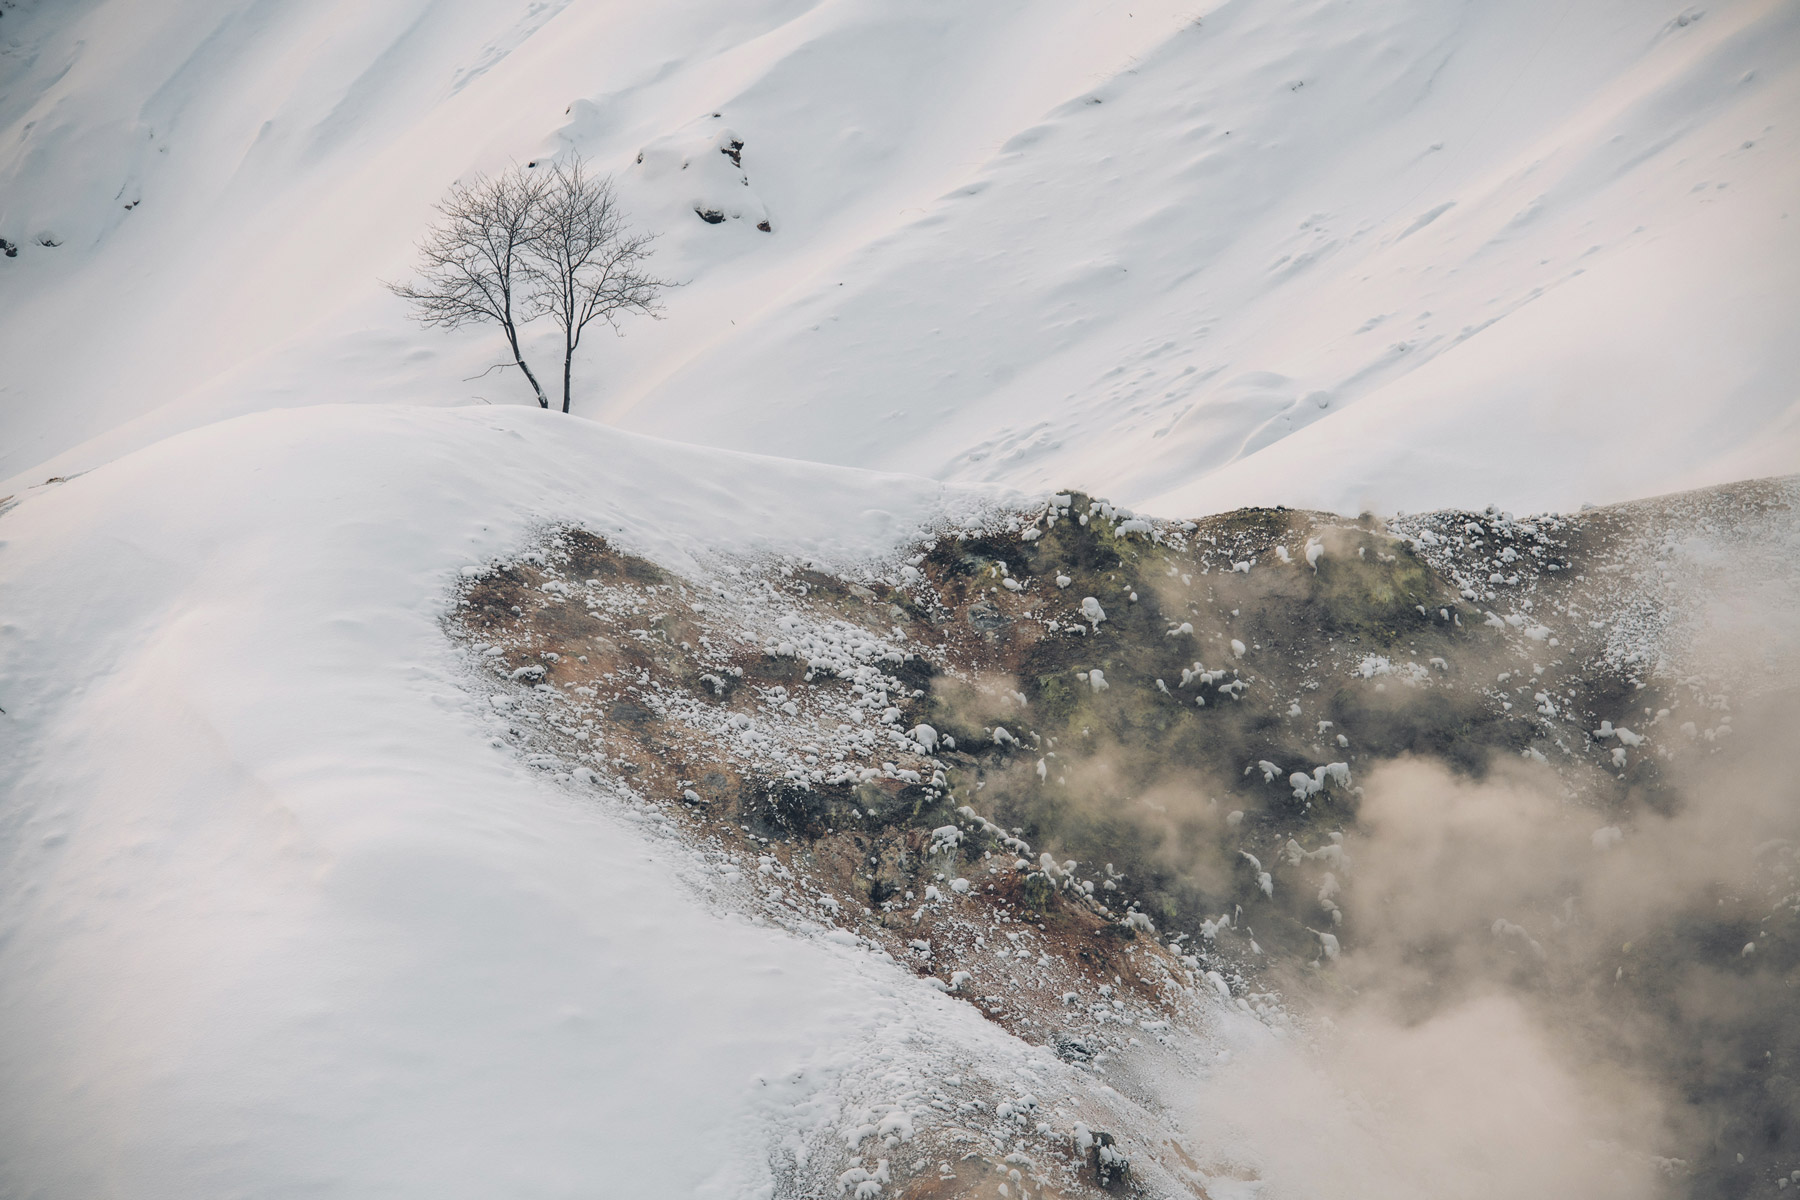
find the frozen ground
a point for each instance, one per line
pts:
(1399, 255)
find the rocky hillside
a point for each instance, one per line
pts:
(1099, 775)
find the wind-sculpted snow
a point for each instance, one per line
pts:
(1403, 254)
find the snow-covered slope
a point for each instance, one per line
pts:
(1394, 254)
(278, 915)
(280, 920)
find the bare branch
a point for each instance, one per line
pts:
(471, 264)
(586, 263)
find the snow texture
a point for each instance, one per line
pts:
(1400, 255)
(281, 918)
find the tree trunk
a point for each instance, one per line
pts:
(512, 338)
(568, 359)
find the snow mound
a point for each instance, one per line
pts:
(281, 917)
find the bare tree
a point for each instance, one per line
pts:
(586, 263)
(472, 265)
